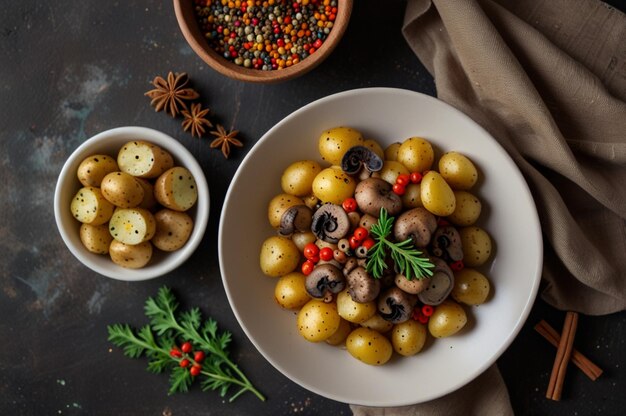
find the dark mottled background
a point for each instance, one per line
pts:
(71, 69)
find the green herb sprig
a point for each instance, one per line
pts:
(157, 341)
(404, 254)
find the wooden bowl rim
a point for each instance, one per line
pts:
(191, 31)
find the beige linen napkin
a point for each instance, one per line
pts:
(548, 80)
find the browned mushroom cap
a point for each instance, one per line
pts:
(330, 223)
(350, 265)
(361, 286)
(367, 221)
(325, 281)
(359, 158)
(295, 218)
(395, 305)
(446, 243)
(372, 194)
(440, 285)
(417, 224)
(413, 286)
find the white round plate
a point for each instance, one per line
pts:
(509, 215)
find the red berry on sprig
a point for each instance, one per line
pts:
(184, 363)
(195, 370)
(175, 352)
(186, 347)
(198, 356)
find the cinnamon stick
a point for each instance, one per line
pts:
(563, 354)
(590, 369)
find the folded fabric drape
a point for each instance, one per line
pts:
(547, 79)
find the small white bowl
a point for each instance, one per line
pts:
(509, 215)
(109, 142)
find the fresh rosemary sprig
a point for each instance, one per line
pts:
(404, 254)
(206, 351)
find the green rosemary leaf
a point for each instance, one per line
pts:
(407, 258)
(180, 380)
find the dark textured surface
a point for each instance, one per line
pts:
(72, 69)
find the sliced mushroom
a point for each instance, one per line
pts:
(395, 305)
(361, 160)
(372, 194)
(413, 286)
(325, 281)
(355, 219)
(446, 243)
(295, 218)
(440, 285)
(417, 224)
(330, 223)
(350, 265)
(361, 286)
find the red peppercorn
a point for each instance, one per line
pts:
(368, 243)
(326, 254)
(427, 310)
(415, 177)
(317, 43)
(198, 356)
(195, 370)
(398, 189)
(349, 205)
(311, 251)
(354, 243)
(175, 352)
(361, 233)
(186, 347)
(403, 179)
(457, 266)
(422, 318)
(184, 363)
(307, 267)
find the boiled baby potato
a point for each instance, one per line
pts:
(95, 238)
(467, 209)
(447, 319)
(334, 143)
(317, 320)
(476, 245)
(176, 189)
(458, 171)
(94, 168)
(391, 152)
(377, 323)
(470, 287)
(333, 185)
(416, 154)
(437, 196)
(278, 205)
(290, 291)
(279, 256)
(89, 206)
(149, 201)
(132, 225)
(391, 169)
(122, 190)
(354, 311)
(297, 179)
(408, 337)
(130, 256)
(143, 159)
(340, 335)
(369, 346)
(173, 229)
(412, 196)
(375, 147)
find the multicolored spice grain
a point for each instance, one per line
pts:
(266, 34)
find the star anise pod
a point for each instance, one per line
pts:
(171, 94)
(225, 140)
(195, 120)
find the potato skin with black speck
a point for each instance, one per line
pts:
(130, 256)
(173, 229)
(96, 238)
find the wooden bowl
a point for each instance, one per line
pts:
(194, 36)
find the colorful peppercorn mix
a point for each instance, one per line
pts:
(266, 34)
